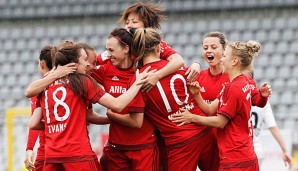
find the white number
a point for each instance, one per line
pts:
(57, 103)
(250, 126)
(172, 86)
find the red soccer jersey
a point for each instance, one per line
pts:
(235, 140)
(166, 98)
(115, 82)
(65, 121)
(211, 85)
(166, 51)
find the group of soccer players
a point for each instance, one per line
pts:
(158, 108)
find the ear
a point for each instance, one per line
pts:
(158, 48)
(42, 64)
(235, 61)
(126, 49)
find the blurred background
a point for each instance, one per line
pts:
(28, 25)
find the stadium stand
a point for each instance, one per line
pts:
(27, 25)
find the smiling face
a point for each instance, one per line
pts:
(117, 53)
(83, 62)
(212, 50)
(133, 21)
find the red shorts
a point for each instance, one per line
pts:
(250, 168)
(202, 152)
(254, 167)
(81, 166)
(127, 160)
(38, 165)
(103, 162)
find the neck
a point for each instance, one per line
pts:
(236, 73)
(151, 58)
(126, 63)
(217, 69)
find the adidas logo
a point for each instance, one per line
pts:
(115, 78)
(203, 89)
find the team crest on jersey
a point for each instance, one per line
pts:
(115, 78)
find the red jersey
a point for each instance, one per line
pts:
(33, 135)
(115, 82)
(211, 85)
(166, 51)
(65, 121)
(235, 140)
(166, 98)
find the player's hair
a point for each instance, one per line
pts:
(65, 43)
(145, 41)
(86, 47)
(246, 52)
(76, 80)
(148, 13)
(222, 38)
(46, 55)
(123, 36)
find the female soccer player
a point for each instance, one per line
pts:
(235, 136)
(64, 103)
(44, 65)
(132, 141)
(166, 98)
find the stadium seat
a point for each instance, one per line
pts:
(284, 72)
(287, 97)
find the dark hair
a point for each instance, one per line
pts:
(123, 36)
(222, 39)
(76, 80)
(144, 42)
(86, 47)
(148, 13)
(46, 55)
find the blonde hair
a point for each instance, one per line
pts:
(145, 41)
(246, 52)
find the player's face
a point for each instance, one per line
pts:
(83, 62)
(212, 51)
(227, 60)
(117, 53)
(133, 21)
(92, 61)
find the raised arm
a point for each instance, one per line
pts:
(39, 85)
(119, 103)
(209, 109)
(175, 63)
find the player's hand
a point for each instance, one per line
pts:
(288, 160)
(150, 81)
(265, 90)
(62, 71)
(194, 87)
(182, 117)
(193, 72)
(29, 160)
